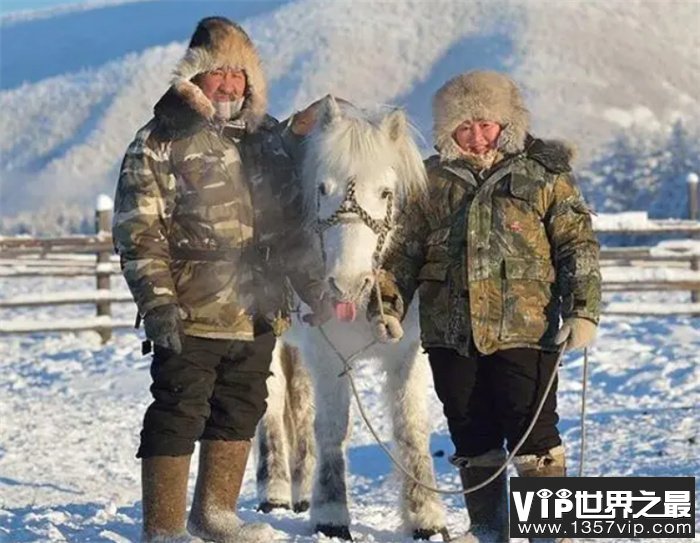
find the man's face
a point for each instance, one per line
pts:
(477, 137)
(222, 85)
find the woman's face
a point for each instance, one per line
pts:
(477, 137)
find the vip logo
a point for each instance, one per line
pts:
(606, 507)
(550, 505)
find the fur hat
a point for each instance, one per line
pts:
(216, 43)
(479, 95)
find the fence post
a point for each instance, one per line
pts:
(103, 225)
(694, 213)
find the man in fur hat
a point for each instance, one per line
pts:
(204, 209)
(499, 251)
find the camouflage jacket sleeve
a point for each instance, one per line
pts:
(575, 250)
(398, 279)
(142, 211)
(304, 259)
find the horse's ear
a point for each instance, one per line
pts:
(329, 111)
(394, 124)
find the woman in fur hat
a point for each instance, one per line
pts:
(500, 251)
(205, 247)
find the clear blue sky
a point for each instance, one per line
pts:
(6, 6)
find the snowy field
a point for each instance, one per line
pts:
(77, 81)
(71, 411)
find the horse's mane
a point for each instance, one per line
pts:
(354, 144)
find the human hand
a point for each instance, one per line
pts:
(577, 333)
(387, 329)
(163, 327)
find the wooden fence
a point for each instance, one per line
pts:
(74, 256)
(673, 265)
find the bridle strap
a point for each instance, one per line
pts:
(350, 206)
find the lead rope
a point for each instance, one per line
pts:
(347, 372)
(583, 411)
(351, 205)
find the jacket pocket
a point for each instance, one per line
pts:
(524, 195)
(433, 296)
(528, 304)
(522, 187)
(212, 293)
(436, 245)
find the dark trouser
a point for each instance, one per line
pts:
(489, 398)
(215, 389)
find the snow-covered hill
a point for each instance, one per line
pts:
(76, 85)
(620, 78)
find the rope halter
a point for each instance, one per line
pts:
(350, 206)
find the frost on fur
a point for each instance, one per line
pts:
(378, 152)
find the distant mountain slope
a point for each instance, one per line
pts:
(36, 49)
(591, 70)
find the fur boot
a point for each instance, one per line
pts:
(164, 487)
(550, 464)
(213, 515)
(488, 506)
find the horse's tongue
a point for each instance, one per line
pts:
(345, 311)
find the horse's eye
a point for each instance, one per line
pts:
(385, 194)
(322, 189)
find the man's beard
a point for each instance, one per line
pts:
(228, 109)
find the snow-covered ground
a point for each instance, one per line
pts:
(70, 413)
(75, 84)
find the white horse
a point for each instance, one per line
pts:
(358, 171)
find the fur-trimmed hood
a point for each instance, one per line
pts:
(218, 42)
(555, 155)
(479, 95)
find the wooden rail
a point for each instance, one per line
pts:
(46, 257)
(102, 325)
(670, 266)
(67, 298)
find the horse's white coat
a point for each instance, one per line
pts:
(380, 155)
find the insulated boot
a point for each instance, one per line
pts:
(213, 515)
(164, 487)
(488, 506)
(550, 464)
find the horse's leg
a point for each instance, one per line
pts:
(272, 475)
(423, 511)
(329, 503)
(301, 412)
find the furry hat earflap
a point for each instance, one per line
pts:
(479, 95)
(217, 43)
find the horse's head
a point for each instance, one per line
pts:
(358, 171)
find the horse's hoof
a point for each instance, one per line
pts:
(329, 530)
(301, 507)
(267, 507)
(424, 534)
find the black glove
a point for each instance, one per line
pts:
(163, 327)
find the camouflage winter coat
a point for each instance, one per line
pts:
(205, 217)
(499, 258)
